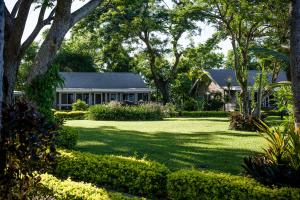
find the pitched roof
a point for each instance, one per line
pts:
(107, 80)
(220, 76)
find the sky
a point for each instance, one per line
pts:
(206, 30)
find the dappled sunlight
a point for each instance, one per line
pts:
(178, 143)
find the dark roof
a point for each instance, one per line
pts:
(107, 80)
(220, 76)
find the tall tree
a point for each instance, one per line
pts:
(243, 22)
(295, 58)
(153, 29)
(61, 20)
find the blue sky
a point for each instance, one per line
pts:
(206, 31)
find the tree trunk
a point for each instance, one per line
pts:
(295, 58)
(245, 101)
(163, 87)
(2, 150)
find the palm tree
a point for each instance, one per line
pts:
(295, 58)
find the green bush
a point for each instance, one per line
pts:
(73, 115)
(125, 113)
(192, 184)
(240, 123)
(190, 105)
(80, 106)
(67, 137)
(119, 173)
(205, 114)
(71, 190)
(169, 110)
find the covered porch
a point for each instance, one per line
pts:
(67, 96)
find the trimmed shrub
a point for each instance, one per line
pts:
(126, 113)
(67, 137)
(80, 106)
(119, 173)
(71, 190)
(192, 184)
(204, 114)
(73, 115)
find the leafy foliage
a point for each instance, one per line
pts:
(239, 122)
(67, 137)
(29, 146)
(73, 115)
(122, 174)
(80, 105)
(42, 90)
(71, 190)
(193, 184)
(279, 164)
(119, 112)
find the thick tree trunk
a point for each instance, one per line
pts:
(295, 58)
(2, 150)
(163, 87)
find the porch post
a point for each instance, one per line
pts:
(59, 100)
(135, 97)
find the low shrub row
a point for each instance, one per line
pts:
(71, 190)
(204, 114)
(193, 184)
(73, 115)
(152, 179)
(119, 173)
(115, 111)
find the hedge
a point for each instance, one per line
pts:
(73, 115)
(130, 175)
(67, 137)
(204, 114)
(192, 184)
(126, 113)
(71, 190)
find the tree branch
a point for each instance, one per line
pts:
(85, 10)
(40, 24)
(15, 8)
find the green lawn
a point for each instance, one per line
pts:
(178, 143)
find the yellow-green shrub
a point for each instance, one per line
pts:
(130, 175)
(73, 115)
(193, 184)
(71, 190)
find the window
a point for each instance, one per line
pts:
(113, 97)
(83, 97)
(67, 98)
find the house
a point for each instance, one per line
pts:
(221, 79)
(98, 88)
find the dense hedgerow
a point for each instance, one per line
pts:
(139, 177)
(204, 114)
(192, 184)
(73, 115)
(67, 137)
(115, 111)
(71, 190)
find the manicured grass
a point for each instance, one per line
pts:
(178, 143)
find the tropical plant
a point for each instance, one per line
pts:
(279, 163)
(29, 147)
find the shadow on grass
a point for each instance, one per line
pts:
(176, 150)
(198, 119)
